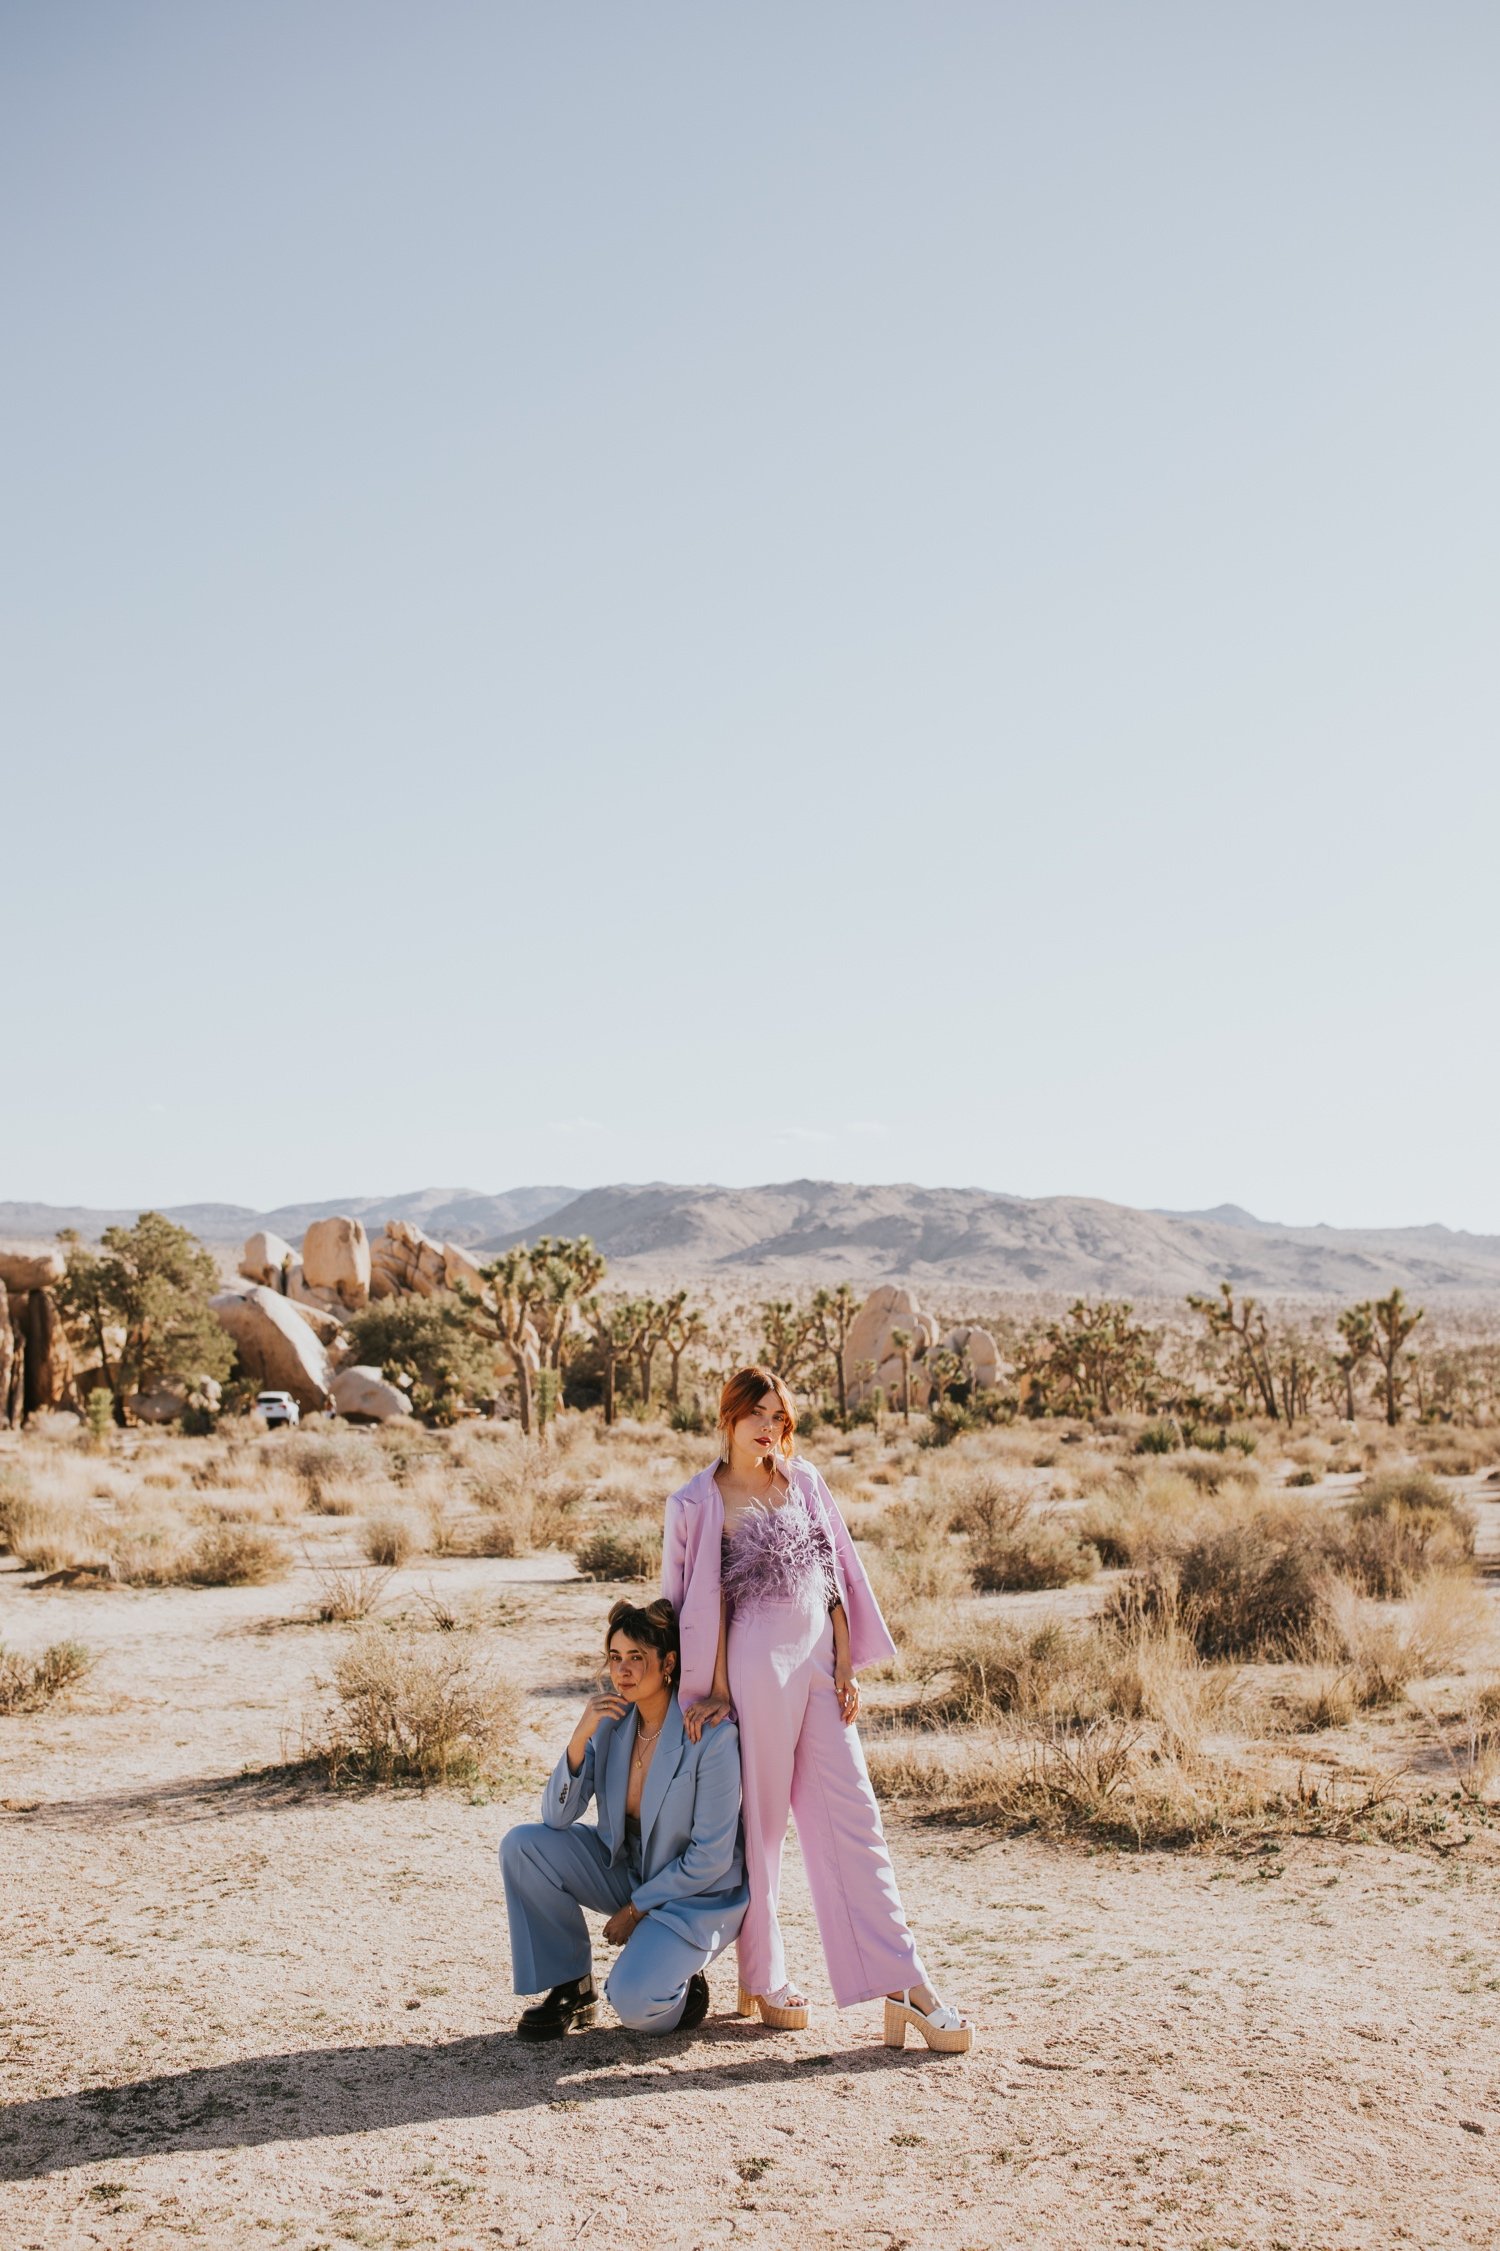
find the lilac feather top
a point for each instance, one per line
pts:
(778, 1555)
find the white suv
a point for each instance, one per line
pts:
(279, 1408)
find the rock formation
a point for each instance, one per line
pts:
(885, 1309)
(338, 1273)
(405, 1261)
(890, 1308)
(7, 1357)
(365, 1394)
(979, 1348)
(32, 1270)
(267, 1259)
(276, 1346)
(336, 1261)
(49, 1356)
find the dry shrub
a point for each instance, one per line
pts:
(417, 1709)
(1256, 1588)
(221, 1555)
(914, 1560)
(1109, 1780)
(1016, 1547)
(626, 1549)
(1039, 1552)
(347, 1596)
(524, 1505)
(391, 1538)
(52, 1536)
(233, 1555)
(333, 1472)
(1401, 1526)
(1308, 1453)
(1140, 1518)
(29, 1683)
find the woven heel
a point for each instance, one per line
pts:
(945, 2031)
(779, 2019)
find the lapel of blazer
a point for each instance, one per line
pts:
(665, 1760)
(616, 1777)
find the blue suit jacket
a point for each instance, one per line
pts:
(693, 1864)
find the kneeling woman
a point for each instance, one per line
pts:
(663, 1859)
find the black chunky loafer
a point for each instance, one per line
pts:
(567, 2008)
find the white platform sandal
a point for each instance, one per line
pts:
(784, 2010)
(945, 2031)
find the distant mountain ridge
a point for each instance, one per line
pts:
(789, 1232)
(794, 1230)
(453, 1215)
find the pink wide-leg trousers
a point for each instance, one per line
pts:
(797, 1756)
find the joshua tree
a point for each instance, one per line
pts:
(1394, 1322)
(946, 1371)
(1103, 1355)
(789, 1337)
(568, 1270)
(656, 1319)
(685, 1327)
(835, 1312)
(1245, 1329)
(902, 1340)
(513, 1291)
(616, 1330)
(1356, 1325)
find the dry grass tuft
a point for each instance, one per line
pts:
(1034, 1552)
(347, 1596)
(416, 1709)
(29, 1683)
(391, 1538)
(1401, 1526)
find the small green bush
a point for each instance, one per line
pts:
(1159, 1438)
(620, 1550)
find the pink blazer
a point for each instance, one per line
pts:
(690, 1574)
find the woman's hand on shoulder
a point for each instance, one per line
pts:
(709, 1711)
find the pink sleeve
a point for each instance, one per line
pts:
(870, 1640)
(674, 1553)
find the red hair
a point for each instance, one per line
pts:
(743, 1394)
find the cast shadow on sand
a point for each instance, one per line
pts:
(325, 2091)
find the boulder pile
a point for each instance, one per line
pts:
(873, 1359)
(289, 1326)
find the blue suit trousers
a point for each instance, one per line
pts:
(551, 1875)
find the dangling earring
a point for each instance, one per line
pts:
(723, 1444)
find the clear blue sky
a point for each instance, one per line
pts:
(601, 593)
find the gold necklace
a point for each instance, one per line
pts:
(643, 1743)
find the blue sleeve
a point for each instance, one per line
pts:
(568, 1795)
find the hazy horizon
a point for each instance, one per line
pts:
(348, 1195)
(706, 596)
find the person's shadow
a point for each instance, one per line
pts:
(320, 2091)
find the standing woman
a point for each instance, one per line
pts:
(776, 1614)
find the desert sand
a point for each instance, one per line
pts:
(242, 2009)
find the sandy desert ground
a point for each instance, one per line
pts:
(239, 2008)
